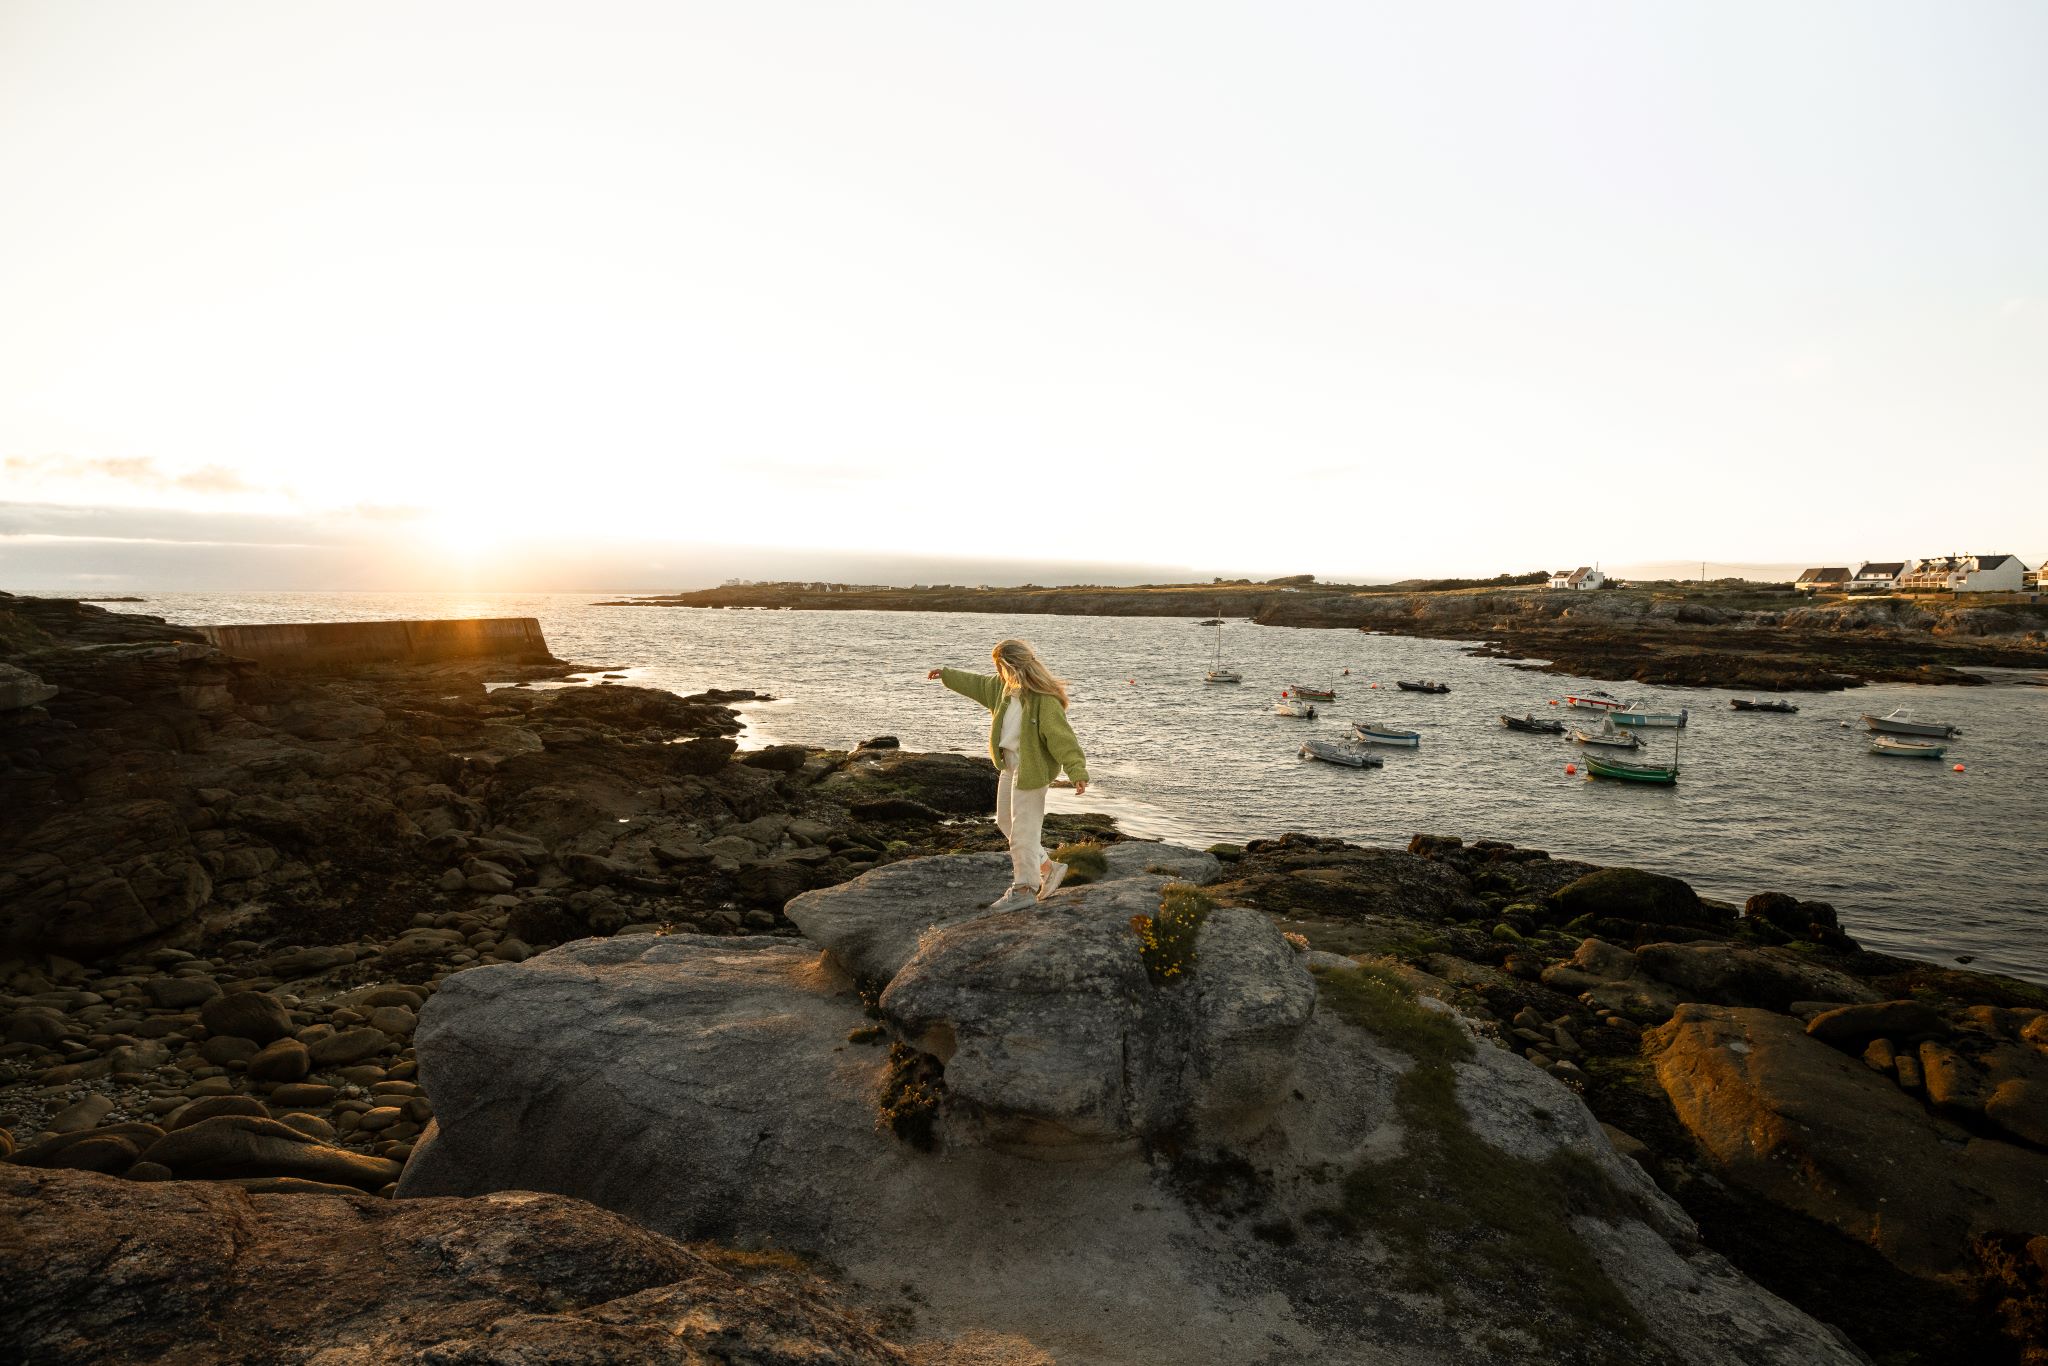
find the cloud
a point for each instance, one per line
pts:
(135, 471)
(25, 523)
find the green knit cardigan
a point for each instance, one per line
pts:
(1046, 743)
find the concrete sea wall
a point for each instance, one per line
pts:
(289, 644)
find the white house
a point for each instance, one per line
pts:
(1581, 578)
(1967, 574)
(1877, 576)
(1822, 580)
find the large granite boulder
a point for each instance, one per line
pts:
(1077, 1118)
(1630, 896)
(113, 1272)
(1730, 974)
(19, 688)
(952, 784)
(1816, 1130)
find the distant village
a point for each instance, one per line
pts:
(1937, 574)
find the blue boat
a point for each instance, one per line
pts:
(1386, 735)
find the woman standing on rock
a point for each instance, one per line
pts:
(1030, 740)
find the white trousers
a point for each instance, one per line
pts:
(1020, 815)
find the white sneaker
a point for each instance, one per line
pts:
(1018, 895)
(1050, 883)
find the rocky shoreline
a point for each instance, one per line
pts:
(242, 911)
(1751, 636)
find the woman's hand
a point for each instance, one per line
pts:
(1081, 788)
(933, 674)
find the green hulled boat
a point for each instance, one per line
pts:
(1627, 772)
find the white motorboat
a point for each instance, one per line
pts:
(1375, 734)
(1593, 700)
(1337, 752)
(1299, 707)
(1608, 737)
(1899, 721)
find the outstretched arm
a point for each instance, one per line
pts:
(983, 688)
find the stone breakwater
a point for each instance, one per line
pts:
(246, 909)
(301, 645)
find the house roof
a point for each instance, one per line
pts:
(1991, 561)
(1823, 575)
(1888, 568)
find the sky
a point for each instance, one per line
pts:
(644, 295)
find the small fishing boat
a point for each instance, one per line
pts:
(1899, 721)
(1608, 737)
(1638, 713)
(1299, 707)
(1899, 748)
(1596, 767)
(1374, 734)
(1217, 673)
(1593, 700)
(1421, 685)
(1315, 694)
(1761, 704)
(1531, 725)
(1337, 752)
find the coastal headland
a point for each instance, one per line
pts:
(670, 1046)
(1729, 634)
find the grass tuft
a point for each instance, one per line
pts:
(1085, 860)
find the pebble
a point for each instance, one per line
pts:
(180, 993)
(287, 1060)
(349, 1046)
(396, 1021)
(84, 1114)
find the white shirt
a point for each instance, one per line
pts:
(1012, 733)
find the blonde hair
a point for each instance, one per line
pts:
(1020, 668)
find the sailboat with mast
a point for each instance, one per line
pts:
(1217, 673)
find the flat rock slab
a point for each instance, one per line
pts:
(112, 1272)
(706, 1088)
(873, 924)
(1136, 858)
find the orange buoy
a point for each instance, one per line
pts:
(1553, 701)
(1571, 768)
(1959, 768)
(1134, 682)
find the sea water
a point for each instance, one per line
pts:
(1917, 858)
